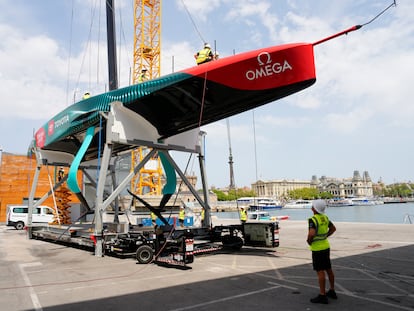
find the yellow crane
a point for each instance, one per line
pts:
(147, 56)
(147, 38)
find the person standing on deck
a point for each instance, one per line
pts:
(205, 55)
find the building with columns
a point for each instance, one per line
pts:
(278, 188)
(356, 186)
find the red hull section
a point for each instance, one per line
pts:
(222, 88)
(263, 69)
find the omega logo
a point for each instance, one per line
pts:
(267, 67)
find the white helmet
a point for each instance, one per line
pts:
(206, 45)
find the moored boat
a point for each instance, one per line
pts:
(339, 202)
(265, 203)
(299, 204)
(364, 201)
(389, 200)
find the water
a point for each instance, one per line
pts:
(384, 213)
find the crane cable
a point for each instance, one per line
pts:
(192, 21)
(205, 75)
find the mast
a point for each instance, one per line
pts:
(231, 185)
(110, 34)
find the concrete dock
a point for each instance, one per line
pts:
(373, 263)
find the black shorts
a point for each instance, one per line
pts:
(321, 260)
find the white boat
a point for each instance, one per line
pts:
(365, 201)
(339, 202)
(299, 204)
(265, 203)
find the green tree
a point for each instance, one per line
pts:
(309, 194)
(304, 193)
(233, 194)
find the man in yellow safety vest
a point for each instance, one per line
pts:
(319, 228)
(243, 215)
(143, 76)
(205, 55)
(153, 218)
(181, 216)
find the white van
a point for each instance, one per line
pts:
(17, 215)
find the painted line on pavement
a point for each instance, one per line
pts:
(33, 296)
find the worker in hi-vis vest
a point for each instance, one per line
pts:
(153, 218)
(181, 216)
(205, 55)
(143, 76)
(319, 229)
(243, 215)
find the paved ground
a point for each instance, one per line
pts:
(374, 267)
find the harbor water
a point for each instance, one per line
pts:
(397, 213)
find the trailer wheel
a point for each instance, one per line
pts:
(144, 254)
(234, 242)
(19, 225)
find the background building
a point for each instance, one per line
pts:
(356, 186)
(278, 188)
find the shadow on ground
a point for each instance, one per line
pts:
(379, 280)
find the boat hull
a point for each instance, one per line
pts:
(186, 100)
(298, 205)
(264, 207)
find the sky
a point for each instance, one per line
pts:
(358, 115)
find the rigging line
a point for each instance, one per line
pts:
(192, 21)
(122, 35)
(69, 56)
(353, 28)
(382, 12)
(88, 44)
(255, 148)
(202, 99)
(99, 42)
(90, 59)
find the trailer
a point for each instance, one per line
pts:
(162, 245)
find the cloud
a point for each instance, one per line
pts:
(198, 8)
(31, 74)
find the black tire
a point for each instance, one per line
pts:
(144, 254)
(233, 242)
(189, 259)
(19, 225)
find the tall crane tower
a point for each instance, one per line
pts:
(147, 55)
(147, 38)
